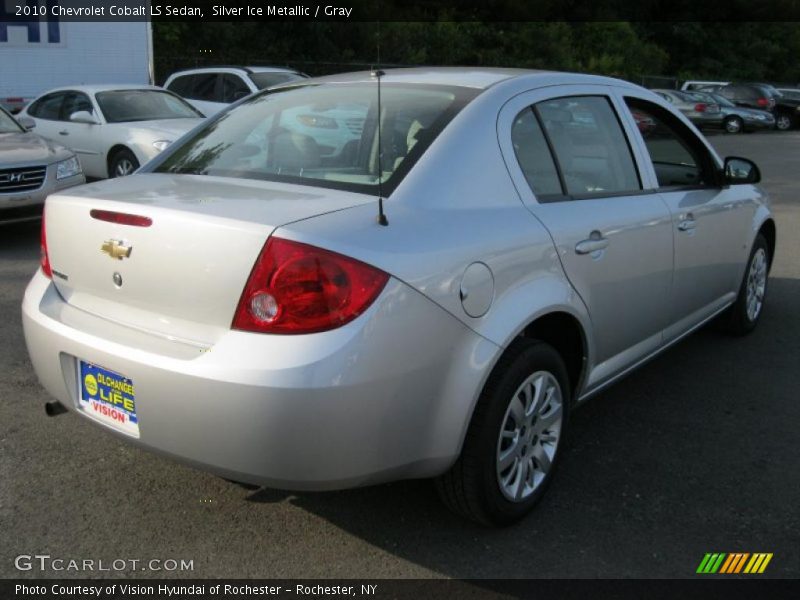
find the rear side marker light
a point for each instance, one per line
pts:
(295, 288)
(120, 218)
(44, 258)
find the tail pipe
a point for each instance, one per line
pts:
(53, 409)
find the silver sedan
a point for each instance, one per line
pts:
(31, 167)
(493, 248)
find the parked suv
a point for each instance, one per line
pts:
(764, 97)
(213, 88)
(31, 167)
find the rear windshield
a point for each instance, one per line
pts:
(266, 79)
(323, 135)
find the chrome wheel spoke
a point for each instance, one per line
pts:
(547, 421)
(517, 411)
(541, 459)
(508, 457)
(522, 478)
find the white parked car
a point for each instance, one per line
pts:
(112, 129)
(211, 89)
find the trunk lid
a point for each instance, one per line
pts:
(185, 272)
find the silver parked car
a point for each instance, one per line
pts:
(31, 167)
(700, 112)
(494, 248)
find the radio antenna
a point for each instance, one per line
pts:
(377, 74)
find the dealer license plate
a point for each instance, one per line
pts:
(108, 397)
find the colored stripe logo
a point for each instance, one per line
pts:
(734, 563)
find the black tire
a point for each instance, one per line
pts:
(783, 121)
(733, 125)
(122, 163)
(737, 320)
(471, 488)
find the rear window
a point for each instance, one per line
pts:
(322, 135)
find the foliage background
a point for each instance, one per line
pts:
(765, 51)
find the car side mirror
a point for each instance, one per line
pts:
(27, 123)
(83, 116)
(741, 170)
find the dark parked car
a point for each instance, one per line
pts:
(736, 119)
(765, 97)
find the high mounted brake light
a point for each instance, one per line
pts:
(120, 218)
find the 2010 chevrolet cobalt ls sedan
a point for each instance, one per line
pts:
(432, 299)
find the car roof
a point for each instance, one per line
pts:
(93, 89)
(472, 77)
(233, 69)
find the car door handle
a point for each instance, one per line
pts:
(63, 133)
(687, 224)
(595, 242)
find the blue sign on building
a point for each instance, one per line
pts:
(10, 18)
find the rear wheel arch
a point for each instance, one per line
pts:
(565, 333)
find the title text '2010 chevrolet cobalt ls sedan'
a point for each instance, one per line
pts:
(239, 305)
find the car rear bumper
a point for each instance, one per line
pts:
(387, 396)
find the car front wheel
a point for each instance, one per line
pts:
(123, 163)
(783, 122)
(742, 317)
(733, 125)
(514, 440)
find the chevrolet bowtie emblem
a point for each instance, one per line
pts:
(116, 249)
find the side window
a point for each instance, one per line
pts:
(48, 107)
(204, 87)
(678, 157)
(590, 147)
(233, 88)
(181, 85)
(534, 155)
(75, 102)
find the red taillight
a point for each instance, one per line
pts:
(44, 259)
(297, 288)
(763, 101)
(700, 107)
(121, 218)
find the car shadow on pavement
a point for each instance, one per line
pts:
(689, 453)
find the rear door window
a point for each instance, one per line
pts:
(48, 107)
(592, 154)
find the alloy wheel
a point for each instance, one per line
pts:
(123, 167)
(529, 436)
(756, 284)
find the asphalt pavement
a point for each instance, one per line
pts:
(696, 452)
